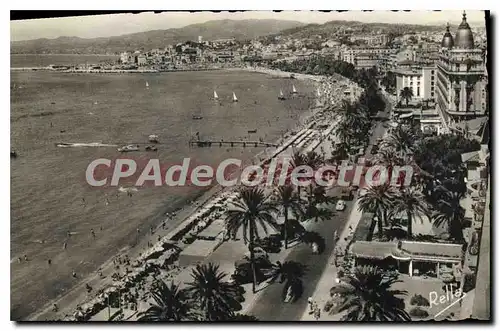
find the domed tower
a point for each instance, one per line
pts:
(464, 38)
(447, 41)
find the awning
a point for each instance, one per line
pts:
(378, 250)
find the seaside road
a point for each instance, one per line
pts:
(269, 305)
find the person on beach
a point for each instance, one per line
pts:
(65, 245)
(25, 257)
(92, 233)
(163, 225)
(54, 308)
(49, 261)
(19, 260)
(73, 274)
(151, 230)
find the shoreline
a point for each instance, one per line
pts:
(185, 214)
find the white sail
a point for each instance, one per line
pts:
(216, 97)
(281, 93)
(147, 84)
(294, 90)
(234, 97)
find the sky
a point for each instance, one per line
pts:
(119, 24)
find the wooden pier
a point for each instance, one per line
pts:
(220, 143)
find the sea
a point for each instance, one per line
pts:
(49, 194)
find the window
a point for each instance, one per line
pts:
(432, 77)
(432, 73)
(432, 94)
(418, 91)
(432, 83)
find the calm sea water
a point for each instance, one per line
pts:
(48, 186)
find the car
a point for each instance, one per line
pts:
(340, 205)
(258, 252)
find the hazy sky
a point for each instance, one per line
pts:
(118, 24)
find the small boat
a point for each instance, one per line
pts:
(153, 138)
(128, 148)
(235, 99)
(294, 90)
(281, 96)
(13, 154)
(151, 148)
(252, 131)
(147, 85)
(216, 97)
(197, 117)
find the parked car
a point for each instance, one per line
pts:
(271, 244)
(340, 205)
(243, 273)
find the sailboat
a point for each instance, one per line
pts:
(294, 90)
(281, 96)
(147, 85)
(235, 99)
(216, 97)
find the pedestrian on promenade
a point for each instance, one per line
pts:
(317, 312)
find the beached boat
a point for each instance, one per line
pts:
(294, 90)
(153, 138)
(252, 131)
(197, 117)
(151, 148)
(216, 97)
(235, 99)
(128, 148)
(281, 96)
(13, 153)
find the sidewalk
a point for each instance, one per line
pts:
(327, 281)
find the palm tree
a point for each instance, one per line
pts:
(406, 94)
(216, 298)
(170, 304)
(377, 200)
(290, 273)
(289, 202)
(402, 140)
(316, 195)
(366, 295)
(250, 211)
(411, 201)
(451, 213)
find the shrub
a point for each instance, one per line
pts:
(328, 306)
(419, 300)
(418, 312)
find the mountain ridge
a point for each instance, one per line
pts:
(210, 30)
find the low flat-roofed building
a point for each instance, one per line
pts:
(197, 251)
(214, 231)
(410, 257)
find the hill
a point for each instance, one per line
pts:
(336, 28)
(218, 29)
